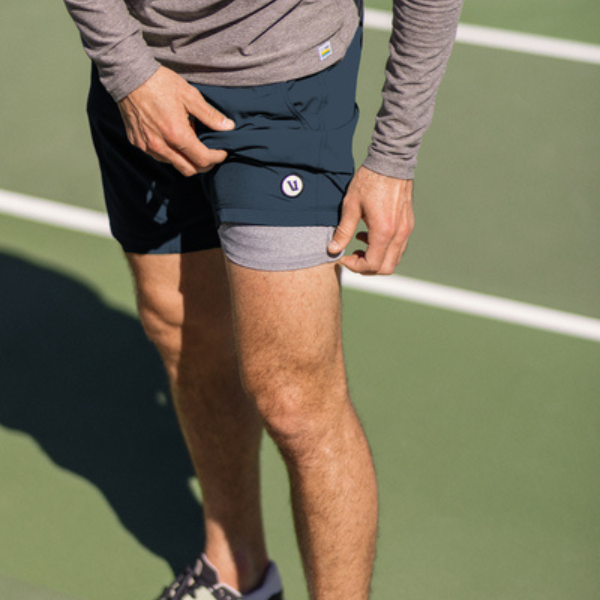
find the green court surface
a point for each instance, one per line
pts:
(19, 590)
(485, 434)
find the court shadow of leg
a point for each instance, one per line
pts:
(83, 381)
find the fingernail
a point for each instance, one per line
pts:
(228, 123)
(334, 247)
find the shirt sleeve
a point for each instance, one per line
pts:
(422, 37)
(113, 39)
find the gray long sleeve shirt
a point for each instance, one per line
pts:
(255, 42)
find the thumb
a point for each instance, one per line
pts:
(209, 115)
(345, 230)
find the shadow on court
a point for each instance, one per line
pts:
(81, 379)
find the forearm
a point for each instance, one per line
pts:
(420, 45)
(113, 40)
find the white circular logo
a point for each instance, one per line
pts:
(292, 186)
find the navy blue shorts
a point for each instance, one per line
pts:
(289, 163)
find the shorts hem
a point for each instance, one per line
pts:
(279, 219)
(306, 263)
(173, 246)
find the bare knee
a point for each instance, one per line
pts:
(300, 402)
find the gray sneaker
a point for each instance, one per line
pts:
(202, 583)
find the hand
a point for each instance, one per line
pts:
(385, 205)
(157, 120)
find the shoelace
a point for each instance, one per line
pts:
(221, 593)
(184, 583)
(190, 580)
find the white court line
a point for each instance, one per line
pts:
(504, 40)
(394, 286)
(54, 213)
(473, 303)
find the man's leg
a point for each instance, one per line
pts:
(184, 306)
(288, 332)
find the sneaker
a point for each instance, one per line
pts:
(202, 583)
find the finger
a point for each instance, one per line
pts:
(369, 261)
(390, 261)
(398, 245)
(207, 114)
(345, 230)
(177, 160)
(175, 154)
(195, 153)
(365, 262)
(394, 253)
(188, 168)
(358, 263)
(380, 239)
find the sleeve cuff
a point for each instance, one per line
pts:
(390, 166)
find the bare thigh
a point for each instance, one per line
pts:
(288, 335)
(184, 305)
